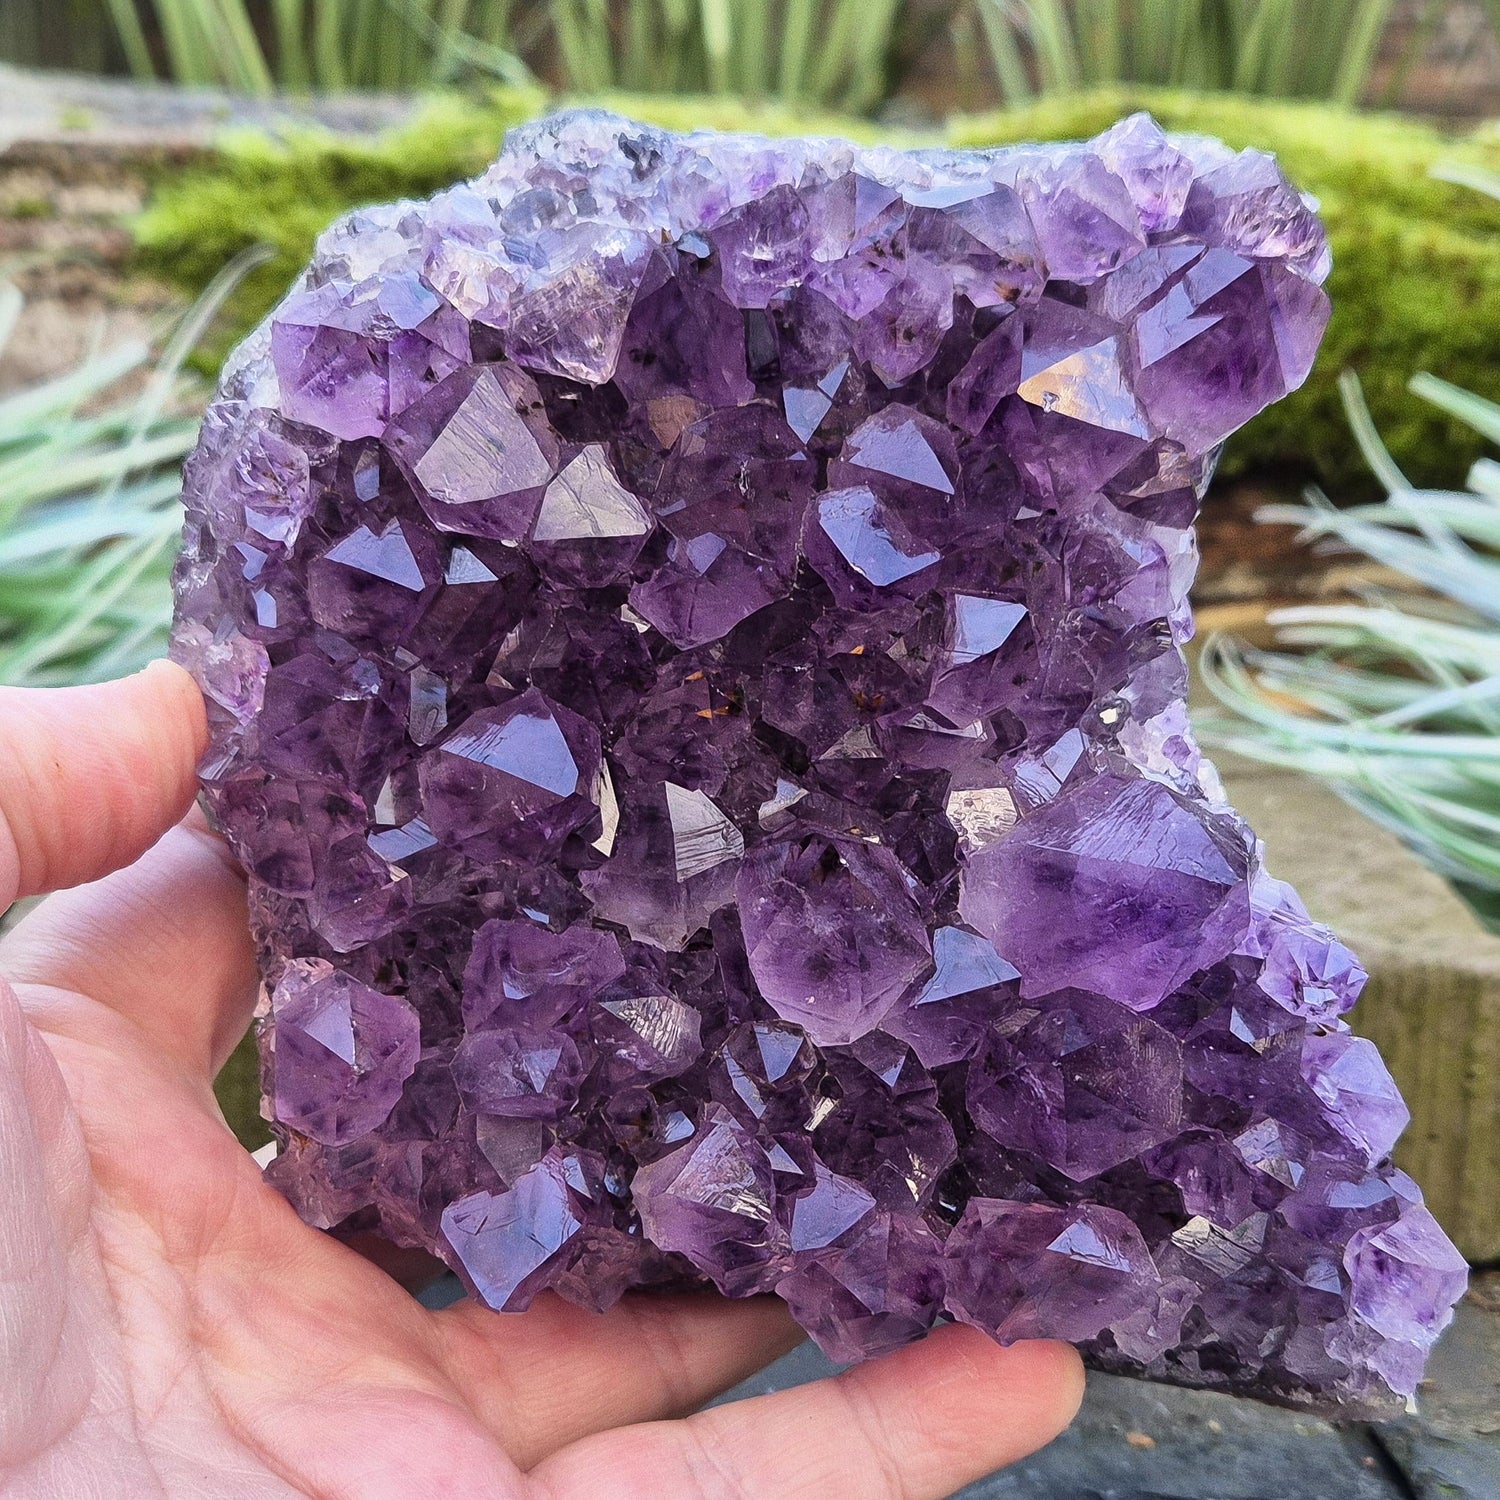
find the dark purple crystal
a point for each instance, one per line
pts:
(693, 633)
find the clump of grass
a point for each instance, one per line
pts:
(834, 53)
(1287, 48)
(259, 46)
(89, 514)
(828, 54)
(1395, 700)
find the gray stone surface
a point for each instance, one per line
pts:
(123, 114)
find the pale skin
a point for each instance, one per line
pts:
(168, 1327)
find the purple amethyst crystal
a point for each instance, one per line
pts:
(693, 629)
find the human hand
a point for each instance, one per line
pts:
(168, 1327)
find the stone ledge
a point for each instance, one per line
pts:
(118, 118)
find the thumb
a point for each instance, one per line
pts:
(91, 777)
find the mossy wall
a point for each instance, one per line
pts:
(1415, 286)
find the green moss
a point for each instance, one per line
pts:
(1416, 278)
(1416, 281)
(238, 1091)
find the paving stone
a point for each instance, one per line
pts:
(120, 114)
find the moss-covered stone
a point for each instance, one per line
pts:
(1416, 282)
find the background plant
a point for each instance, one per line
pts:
(89, 513)
(846, 54)
(1290, 48)
(837, 53)
(260, 45)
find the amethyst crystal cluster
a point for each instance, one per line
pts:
(693, 628)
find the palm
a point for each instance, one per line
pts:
(169, 1327)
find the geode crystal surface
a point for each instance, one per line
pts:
(693, 628)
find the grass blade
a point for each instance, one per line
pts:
(1005, 52)
(718, 41)
(1482, 415)
(127, 23)
(1363, 46)
(797, 28)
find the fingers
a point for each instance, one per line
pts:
(915, 1425)
(558, 1373)
(164, 943)
(91, 777)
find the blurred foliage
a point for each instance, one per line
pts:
(1408, 249)
(89, 518)
(259, 46)
(1395, 700)
(90, 474)
(839, 53)
(1290, 48)
(1416, 273)
(845, 54)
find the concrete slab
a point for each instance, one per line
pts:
(122, 115)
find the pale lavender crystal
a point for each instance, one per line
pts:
(692, 628)
(344, 1052)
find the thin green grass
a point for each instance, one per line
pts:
(260, 46)
(1287, 48)
(833, 54)
(825, 54)
(1396, 701)
(89, 514)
